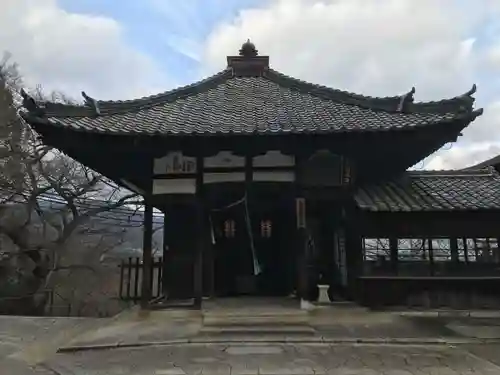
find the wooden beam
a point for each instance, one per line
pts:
(429, 224)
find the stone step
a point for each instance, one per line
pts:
(256, 317)
(340, 307)
(287, 330)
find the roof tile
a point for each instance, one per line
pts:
(267, 104)
(434, 191)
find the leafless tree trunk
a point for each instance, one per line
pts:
(44, 202)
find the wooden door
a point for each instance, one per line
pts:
(233, 267)
(179, 251)
(272, 225)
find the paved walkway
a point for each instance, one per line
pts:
(155, 327)
(18, 332)
(29, 345)
(276, 359)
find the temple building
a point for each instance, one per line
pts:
(272, 186)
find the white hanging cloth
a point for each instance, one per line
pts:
(255, 261)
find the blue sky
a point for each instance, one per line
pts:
(171, 31)
(123, 49)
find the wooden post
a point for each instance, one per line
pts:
(198, 257)
(431, 256)
(209, 256)
(164, 266)
(300, 212)
(301, 234)
(200, 235)
(353, 249)
(147, 255)
(454, 250)
(394, 256)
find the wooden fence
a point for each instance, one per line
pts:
(131, 272)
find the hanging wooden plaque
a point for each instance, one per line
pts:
(322, 169)
(300, 207)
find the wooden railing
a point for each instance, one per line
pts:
(131, 271)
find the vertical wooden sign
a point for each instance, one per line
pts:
(347, 173)
(300, 209)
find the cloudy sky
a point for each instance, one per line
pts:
(121, 49)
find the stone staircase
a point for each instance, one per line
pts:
(250, 319)
(339, 312)
(277, 319)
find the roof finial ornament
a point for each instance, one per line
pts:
(92, 103)
(30, 104)
(472, 90)
(406, 100)
(248, 49)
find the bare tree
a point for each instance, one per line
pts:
(46, 199)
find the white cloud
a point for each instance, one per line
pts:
(381, 48)
(480, 141)
(74, 52)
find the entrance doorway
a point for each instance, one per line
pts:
(253, 245)
(326, 227)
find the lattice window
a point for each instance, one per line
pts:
(441, 250)
(375, 249)
(266, 228)
(229, 228)
(413, 249)
(478, 250)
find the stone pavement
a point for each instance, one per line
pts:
(166, 326)
(176, 346)
(17, 332)
(298, 359)
(26, 341)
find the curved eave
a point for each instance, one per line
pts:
(459, 103)
(492, 162)
(463, 102)
(39, 123)
(392, 104)
(109, 107)
(388, 103)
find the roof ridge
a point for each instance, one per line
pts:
(485, 163)
(459, 103)
(110, 107)
(391, 104)
(480, 172)
(463, 102)
(388, 103)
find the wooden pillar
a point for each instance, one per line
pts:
(431, 256)
(302, 284)
(165, 253)
(454, 250)
(200, 235)
(301, 233)
(198, 256)
(354, 251)
(393, 248)
(147, 254)
(209, 257)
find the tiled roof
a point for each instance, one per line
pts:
(493, 162)
(256, 100)
(434, 191)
